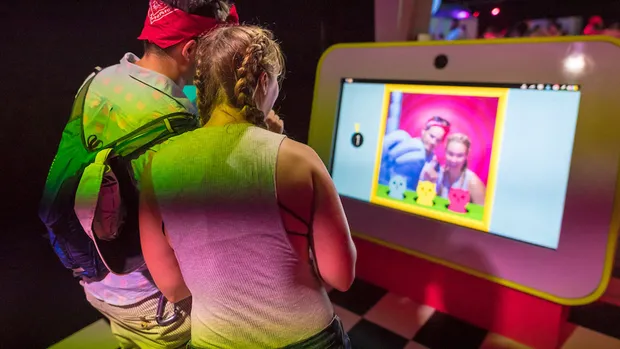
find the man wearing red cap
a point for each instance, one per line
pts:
(122, 98)
(413, 157)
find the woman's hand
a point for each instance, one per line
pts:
(274, 123)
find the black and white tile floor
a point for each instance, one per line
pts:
(377, 319)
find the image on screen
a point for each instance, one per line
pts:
(436, 152)
(473, 155)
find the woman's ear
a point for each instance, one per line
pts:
(264, 82)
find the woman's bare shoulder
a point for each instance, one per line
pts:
(299, 167)
(474, 180)
(296, 174)
(296, 154)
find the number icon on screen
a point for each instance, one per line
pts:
(357, 140)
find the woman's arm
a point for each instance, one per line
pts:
(158, 253)
(334, 248)
(477, 190)
(304, 185)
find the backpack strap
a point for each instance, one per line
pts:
(154, 132)
(87, 193)
(106, 200)
(80, 97)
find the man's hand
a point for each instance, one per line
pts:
(274, 123)
(429, 172)
(401, 149)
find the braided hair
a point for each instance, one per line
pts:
(230, 62)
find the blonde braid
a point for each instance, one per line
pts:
(199, 83)
(248, 75)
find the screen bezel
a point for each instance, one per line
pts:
(578, 271)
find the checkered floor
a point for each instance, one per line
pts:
(376, 319)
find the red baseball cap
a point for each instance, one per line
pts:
(166, 26)
(439, 122)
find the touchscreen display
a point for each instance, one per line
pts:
(494, 158)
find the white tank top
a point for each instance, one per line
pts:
(461, 183)
(216, 190)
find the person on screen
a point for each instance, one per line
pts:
(455, 174)
(406, 156)
(253, 221)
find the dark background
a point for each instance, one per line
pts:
(49, 47)
(47, 50)
(513, 11)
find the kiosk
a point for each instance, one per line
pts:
(478, 177)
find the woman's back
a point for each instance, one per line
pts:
(216, 191)
(225, 215)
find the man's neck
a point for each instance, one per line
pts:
(163, 65)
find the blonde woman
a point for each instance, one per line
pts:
(455, 174)
(245, 220)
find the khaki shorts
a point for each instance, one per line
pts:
(134, 326)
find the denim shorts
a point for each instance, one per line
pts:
(332, 337)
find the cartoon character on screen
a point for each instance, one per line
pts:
(398, 185)
(426, 193)
(455, 174)
(459, 199)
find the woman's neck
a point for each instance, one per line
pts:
(455, 174)
(224, 115)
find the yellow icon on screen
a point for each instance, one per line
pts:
(426, 193)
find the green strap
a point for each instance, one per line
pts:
(154, 132)
(80, 98)
(88, 191)
(101, 157)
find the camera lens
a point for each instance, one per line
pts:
(441, 61)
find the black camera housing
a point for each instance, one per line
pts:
(441, 61)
